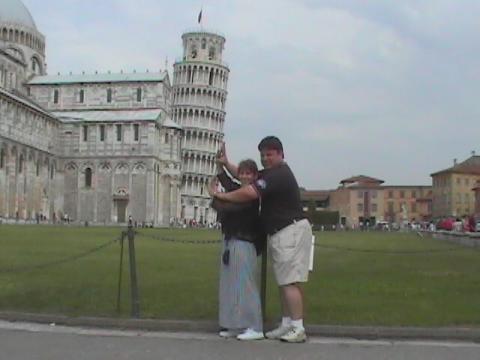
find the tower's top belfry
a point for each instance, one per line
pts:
(203, 46)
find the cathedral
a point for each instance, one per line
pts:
(100, 148)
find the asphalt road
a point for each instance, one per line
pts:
(23, 341)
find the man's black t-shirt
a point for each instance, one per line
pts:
(280, 198)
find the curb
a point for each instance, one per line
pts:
(467, 334)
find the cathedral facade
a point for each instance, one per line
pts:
(104, 147)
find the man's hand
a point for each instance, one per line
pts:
(222, 159)
(212, 186)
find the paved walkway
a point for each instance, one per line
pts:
(20, 341)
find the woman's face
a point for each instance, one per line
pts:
(246, 176)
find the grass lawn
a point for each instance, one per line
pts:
(359, 278)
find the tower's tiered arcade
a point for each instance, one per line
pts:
(199, 97)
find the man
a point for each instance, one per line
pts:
(289, 233)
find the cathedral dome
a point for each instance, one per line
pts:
(15, 12)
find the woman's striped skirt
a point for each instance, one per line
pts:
(239, 299)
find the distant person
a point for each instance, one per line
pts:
(240, 311)
(289, 232)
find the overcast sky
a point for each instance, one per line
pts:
(388, 89)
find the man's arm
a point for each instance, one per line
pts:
(222, 159)
(244, 194)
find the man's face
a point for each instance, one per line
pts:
(270, 158)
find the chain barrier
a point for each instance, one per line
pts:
(330, 247)
(391, 252)
(171, 240)
(60, 261)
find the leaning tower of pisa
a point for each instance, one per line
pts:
(199, 95)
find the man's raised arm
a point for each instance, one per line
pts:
(222, 160)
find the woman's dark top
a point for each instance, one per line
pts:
(239, 220)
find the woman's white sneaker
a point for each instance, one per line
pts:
(251, 334)
(278, 332)
(228, 333)
(295, 335)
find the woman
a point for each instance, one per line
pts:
(239, 300)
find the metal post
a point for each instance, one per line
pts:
(133, 271)
(120, 271)
(263, 285)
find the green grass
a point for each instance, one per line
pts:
(381, 284)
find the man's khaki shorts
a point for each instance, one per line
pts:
(290, 251)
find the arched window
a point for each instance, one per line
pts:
(56, 96)
(211, 53)
(204, 44)
(20, 164)
(139, 94)
(81, 96)
(88, 177)
(210, 80)
(2, 159)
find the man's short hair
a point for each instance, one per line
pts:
(270, 143)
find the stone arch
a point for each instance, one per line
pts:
(105, 167)
(139, 168)
(122, 168)
(71, 166)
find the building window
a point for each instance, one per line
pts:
(85, 132)
(88, 178)
(81, 96)
(119, 132)
(139, 95)
(20, 164)
(374, 208)
(52, 172)
(211, 53)
(458, 181)
(56, 96)
(136, 132)
(109, 95)
(2, 159)
(204, 44)
(210, 79)
(402, 194)
(390, 194)
(102, 132)
(166, 138)
(390, 207)
(360, 207)
(414, 194)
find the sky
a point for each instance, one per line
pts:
(387, 89)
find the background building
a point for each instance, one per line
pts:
(363, 199)
(453, 193)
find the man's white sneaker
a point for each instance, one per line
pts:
(251, 334)
(278, 332)
(295, 335)
(228, 333)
